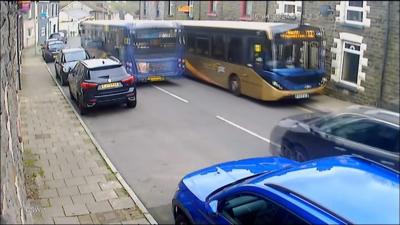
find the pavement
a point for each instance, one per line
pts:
(68, 180)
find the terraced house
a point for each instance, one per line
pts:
(362, 38)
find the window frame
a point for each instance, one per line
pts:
(243, 51)
(224, 52)
(344, 50)
(171, 8)
(244, 5)
(356, 9)
(212, 8)
(191, 6)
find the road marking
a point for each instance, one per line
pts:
(169, 93)
(305, 109)
(244, 129)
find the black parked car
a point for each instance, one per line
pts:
(67, 60)
(61, 36)
(359, 130)
(50, 50)
(101, 81)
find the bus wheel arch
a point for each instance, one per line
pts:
(234, 84)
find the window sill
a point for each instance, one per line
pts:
(245, 18)
(348, 86)
(212, 14)
(353, 25)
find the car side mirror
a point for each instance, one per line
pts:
(212, 207)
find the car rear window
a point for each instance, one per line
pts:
(107, 72)
(75, 56)
(56, 45)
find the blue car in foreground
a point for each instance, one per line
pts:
(275, 190)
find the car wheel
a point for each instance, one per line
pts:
(62, 79)
(181, 220)
(82, 108)
(131, 104)
(234, 85)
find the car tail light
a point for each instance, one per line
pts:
(129, 81)
(87, 85)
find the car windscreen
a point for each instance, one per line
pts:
(56, 45)
(107, 72)
(75, 56)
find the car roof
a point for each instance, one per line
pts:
(68, 50)
(57, 41)
(97, 63)
(359, 190)
(372, 112)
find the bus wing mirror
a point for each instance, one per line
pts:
(249, 65)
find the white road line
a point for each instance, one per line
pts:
(169, 93)
(243, 129)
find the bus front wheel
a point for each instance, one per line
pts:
(234, 85)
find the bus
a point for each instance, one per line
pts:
(266, 61)
(151, 50)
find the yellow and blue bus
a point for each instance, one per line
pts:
(266, 61)
(150, 50)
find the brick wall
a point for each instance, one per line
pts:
(13, 195)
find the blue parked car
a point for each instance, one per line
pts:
(275, 190)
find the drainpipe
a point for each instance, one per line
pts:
(266, 10)
(302, 12)
(140, 8)
(379, 103)
(199, 10)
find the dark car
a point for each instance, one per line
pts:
(50, 50)
(59, 36)
(67, 60)
(275, 190)
(358, 130)
(95, 82)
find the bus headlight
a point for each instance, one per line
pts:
(323, 81)
(277, 85)
(143, 67)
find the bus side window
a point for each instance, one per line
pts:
(218, 46)
(202, 46)
(235, 50)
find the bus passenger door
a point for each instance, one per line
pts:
(253, 66)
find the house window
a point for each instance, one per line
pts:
(347, 66)
(353, 13)
(246, 9)
(289, 7)
(170, 8)
(351, 62)
(212, 8)
(29, 32)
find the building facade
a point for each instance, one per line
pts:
(71, 15)
(47, 19)
(361, 38)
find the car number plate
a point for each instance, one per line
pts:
(155, 78)
(300, 96)
(109, 86)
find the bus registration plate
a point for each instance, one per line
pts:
(110, 85)
(155, 78)
(300, 96)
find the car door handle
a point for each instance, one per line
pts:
(387, 163)
(340, 149)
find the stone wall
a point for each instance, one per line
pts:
(390, 92)
(13, 194)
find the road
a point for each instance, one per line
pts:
(177, 127)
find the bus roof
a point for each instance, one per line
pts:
(135, 23)
(269, 28)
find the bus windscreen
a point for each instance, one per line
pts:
(150, 41)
